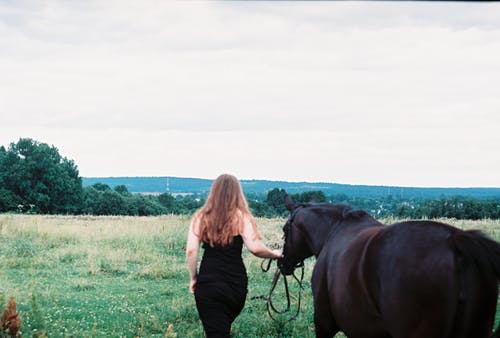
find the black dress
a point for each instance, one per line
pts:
(221, 287)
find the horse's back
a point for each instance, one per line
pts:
(427, 288)
(403, 280)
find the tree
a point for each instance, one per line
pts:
(8, 201)
(90, 200)
(262, 209)
(121, 189)
(146, 206)
(167, 201)
(101, 186)
(187, 205)
(111, 203)
(36, 175)
(276, 200)
(315, 196)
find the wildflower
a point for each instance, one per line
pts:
(10, 321)
(170, 332)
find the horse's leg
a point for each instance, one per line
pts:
(476, 313)
(324, 323)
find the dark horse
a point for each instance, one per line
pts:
(411, 279)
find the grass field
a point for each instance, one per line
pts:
(91, 276)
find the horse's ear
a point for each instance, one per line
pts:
(289, 203)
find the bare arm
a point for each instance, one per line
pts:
(256, 246)
(192, 247)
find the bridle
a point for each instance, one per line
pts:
(287, 234)
(279, 263)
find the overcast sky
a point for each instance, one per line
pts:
(389, 93)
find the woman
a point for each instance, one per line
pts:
(223, 224)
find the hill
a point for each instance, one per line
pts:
(179, 185)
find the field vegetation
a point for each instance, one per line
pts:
(122, 276)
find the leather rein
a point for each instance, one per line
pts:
(271, 308)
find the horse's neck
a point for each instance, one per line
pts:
(317, 235)
(348, 231)
(345, 229)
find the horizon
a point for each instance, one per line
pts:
(284, 181)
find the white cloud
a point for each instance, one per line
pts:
(394, 93)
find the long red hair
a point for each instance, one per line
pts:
(222, 215)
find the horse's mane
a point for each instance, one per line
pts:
(341, 212)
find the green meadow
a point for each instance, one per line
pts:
(87, 276)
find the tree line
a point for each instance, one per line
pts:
(389, 206)
(35, 178)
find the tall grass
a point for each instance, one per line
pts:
(89, 276)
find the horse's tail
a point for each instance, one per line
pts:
(479, 256)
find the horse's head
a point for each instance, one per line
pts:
(310, 225)
(295, 247)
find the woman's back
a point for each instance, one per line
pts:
(223, 263)
(221, 287)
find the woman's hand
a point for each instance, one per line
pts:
(277, 254)
(192, 285)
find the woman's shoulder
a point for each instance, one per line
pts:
(244, 220)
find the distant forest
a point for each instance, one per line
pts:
(35, 178)
(179, 185)
(266, 197)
